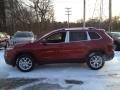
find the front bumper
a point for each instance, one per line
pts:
(9, 59)
(9, 62)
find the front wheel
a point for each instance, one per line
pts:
(25, 63)
(95, 61)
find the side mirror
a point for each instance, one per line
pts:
(44, 42)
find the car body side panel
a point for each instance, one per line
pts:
(73, 50)
(47, 52)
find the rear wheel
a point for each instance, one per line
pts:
(25, 63)
(95, 61)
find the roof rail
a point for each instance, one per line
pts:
(91, 28)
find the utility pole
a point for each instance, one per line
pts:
(84, 13)
(68, 10)
(101, 13)
(110, 15)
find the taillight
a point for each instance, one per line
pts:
(110, 47)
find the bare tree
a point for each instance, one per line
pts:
(18, 16)
(2, 16)
(43, 12)
(42, 9)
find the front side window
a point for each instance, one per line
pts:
(78, 36)
(56, 38)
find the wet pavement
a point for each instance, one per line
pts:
(34, 84)
(7, 84)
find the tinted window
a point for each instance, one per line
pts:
(77, 36)
(56, 38)
(94, 35)
(23, 34)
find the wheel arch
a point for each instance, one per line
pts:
(25, 53)
(94, 51)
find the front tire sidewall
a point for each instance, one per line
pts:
(92, 55)
(19, 59)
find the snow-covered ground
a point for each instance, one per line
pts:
(107, 78)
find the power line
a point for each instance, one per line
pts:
(98, 4)
(94, 8)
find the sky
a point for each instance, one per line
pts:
(92, 9)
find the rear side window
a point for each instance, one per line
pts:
(94, 35)
(78, 36)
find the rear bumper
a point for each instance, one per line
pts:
(109, 57)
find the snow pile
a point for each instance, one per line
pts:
(3, 71)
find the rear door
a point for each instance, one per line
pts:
(76, 46)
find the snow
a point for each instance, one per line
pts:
(3, 72)
(106, 78)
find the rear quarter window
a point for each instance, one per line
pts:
(94, 35)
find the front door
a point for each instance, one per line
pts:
(50, 48)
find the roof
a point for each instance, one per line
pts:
(65, 29)
(81, 28)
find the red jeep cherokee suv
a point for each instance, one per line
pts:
(66, 45)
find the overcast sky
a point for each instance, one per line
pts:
(77, 9)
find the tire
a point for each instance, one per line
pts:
(95, 61)
(24, 63)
